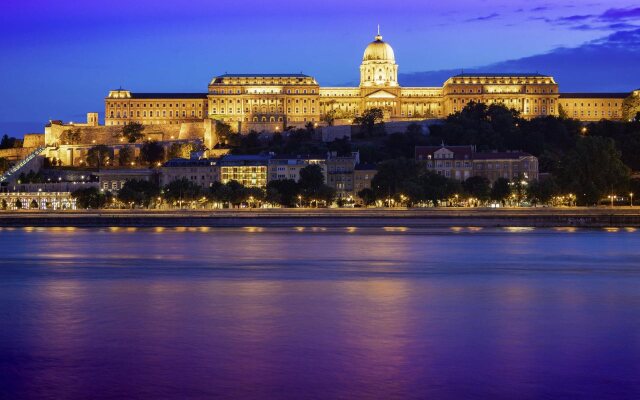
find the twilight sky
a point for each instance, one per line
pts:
(60, 58)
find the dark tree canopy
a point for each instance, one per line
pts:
(99, 156)
(132, 132)
(593, 170)
(90, 198)
(152, 153)
(182, 190)
(138, 193)
(478, 187)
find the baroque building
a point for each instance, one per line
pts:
(272, 102)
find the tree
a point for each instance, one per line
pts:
(125, 156)
(326, 194)
(99, 156)
(255, 196)
(225, 134)
(4, 164)
(311, 180)
(435, 188)
(542, 192)
(132, 132)
(500, 190)
(3, 204)
(90, 198)
(396, 176)
(368, 120)
(71, 136)
(10, 142)
(18, 204)
(238, 193)
(593, 170)
(182, 190)
(152, 152)
(631, 106)
(368, 196)
(33, 204)
(478, 187)
(284, 192)
(138, 192)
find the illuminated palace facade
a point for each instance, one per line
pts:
(272, 102)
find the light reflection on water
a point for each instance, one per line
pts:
(319, 312)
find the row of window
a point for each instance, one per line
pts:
(263, 101)
(144, 105)
(255, 110)
(261, 91)
(151, 115)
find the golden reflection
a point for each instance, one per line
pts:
(395, 228)
(630, 229)
(132, 229)
(457, 228)
(28, 229)
(204, 229)
(475, 228)
(518, 229)
(351, 229)
(611, 229)
(114, 229)
(181, 229)
(299, 228)
(253, 229)
(569, 229)
(158, 229)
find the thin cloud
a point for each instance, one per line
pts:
(484, 18)
(620, 14)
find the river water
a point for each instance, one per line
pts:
(313, 313)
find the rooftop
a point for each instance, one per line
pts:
(594, 95)
(168, 95)
(263, 76)
(185, 162)
(501, 75)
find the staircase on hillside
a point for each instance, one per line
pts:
(13, 171)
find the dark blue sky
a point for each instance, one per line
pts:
(59, 58)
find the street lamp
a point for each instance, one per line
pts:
(299, 201)
(631, 195)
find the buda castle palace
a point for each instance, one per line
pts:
(271, 102)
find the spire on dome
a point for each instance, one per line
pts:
(379, 36)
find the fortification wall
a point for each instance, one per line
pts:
(108, 135)
(16, 153)
(33, 140)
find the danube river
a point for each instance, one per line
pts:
(315, 313)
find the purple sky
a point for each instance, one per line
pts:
(59, 58)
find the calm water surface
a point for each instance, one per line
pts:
(319, 314)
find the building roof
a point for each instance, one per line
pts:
(594, 95)
(168, 95)
(231, 159)
(501, 74)
(501, 155)
(263, 76)
(185, 162)
(366, 167)
(298, 157)
(468, 153)
(459, 152)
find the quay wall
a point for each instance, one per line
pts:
(324, 218)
